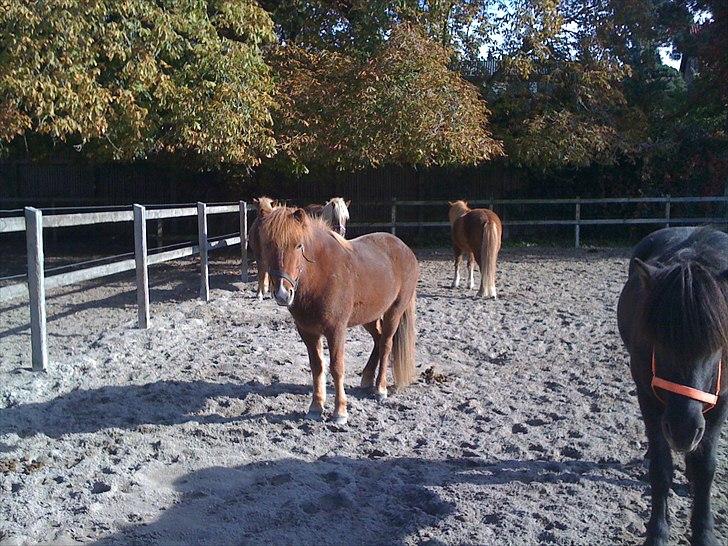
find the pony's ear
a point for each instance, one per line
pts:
(299, 215)
(450, 203)
(645, 271)
(256, 200)
(348, 203)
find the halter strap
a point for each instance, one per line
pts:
(285, 276)
(684, 390)
(282, 275)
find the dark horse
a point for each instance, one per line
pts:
(673, 319)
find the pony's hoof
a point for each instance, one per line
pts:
(314, 415)
(260, 296)
(381, 396)
(367, 383)
(340, 420)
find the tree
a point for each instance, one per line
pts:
(130, 78)
(402, 105)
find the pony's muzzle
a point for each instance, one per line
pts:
(683, 426)
(284, 296)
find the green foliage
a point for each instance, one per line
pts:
(402, 105)
(129, 78)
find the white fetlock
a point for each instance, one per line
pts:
(260, 296)
(339, 420)
(381, 395)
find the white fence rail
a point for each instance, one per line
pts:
(578, 221)
(34, 221)
(37, 283)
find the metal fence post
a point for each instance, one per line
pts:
(577, 227)
(142, 273)
(244, 241)
(202, 237)
(36, 288)
(393, 216)
(667, 212)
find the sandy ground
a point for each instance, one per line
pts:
(524, 430)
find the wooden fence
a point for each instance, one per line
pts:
(34, 289)
(34, 221)
(579, 220)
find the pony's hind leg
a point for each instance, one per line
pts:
(700, 468)
(336, 341)
(471, 270)
(315, 347)
(390, 322)
(367, 375)
(456, 277)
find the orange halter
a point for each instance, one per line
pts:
(683, 390)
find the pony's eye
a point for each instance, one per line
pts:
(300, 246)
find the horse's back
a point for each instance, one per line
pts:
(374, 245)
(468, 229)
(314, 211)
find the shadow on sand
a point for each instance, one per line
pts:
(129, 406)
(337, 500)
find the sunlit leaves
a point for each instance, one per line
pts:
(130, 78)
(401, 105)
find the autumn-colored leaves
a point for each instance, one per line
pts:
(129, 79)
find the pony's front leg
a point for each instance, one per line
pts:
(456, 277)
(263, 279)
(370, 370)
(336, 342)
(700, 468)
(661, 474)
(315, 346)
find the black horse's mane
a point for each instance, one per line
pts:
(686, 308)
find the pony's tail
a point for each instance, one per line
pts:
(489, 247)
(403, 347)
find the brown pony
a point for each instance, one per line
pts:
(330, 284)
(264, 205)
(477, 233)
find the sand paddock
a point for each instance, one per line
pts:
(522, 429)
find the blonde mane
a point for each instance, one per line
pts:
(335, 209)
(289, 226)
(457, 209)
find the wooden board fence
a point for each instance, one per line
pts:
(34, 221)
(577, 222)
(35, 287)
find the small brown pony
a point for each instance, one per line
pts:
(264, 205)
(330, 284)
(477, 233)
